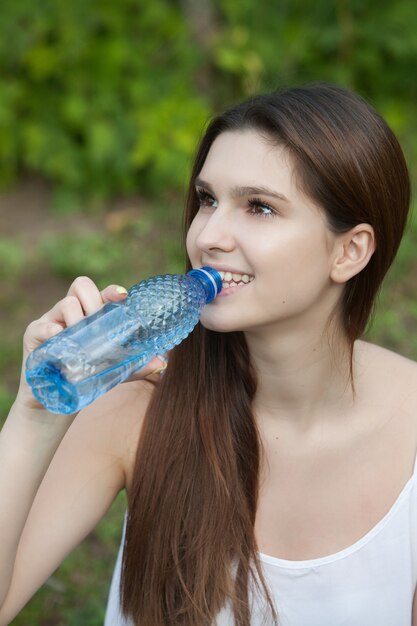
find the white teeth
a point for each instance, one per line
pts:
(228, 276)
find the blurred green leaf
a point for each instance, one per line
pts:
(12, 259)
(72, 255)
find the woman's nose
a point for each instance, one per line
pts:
(217, 232)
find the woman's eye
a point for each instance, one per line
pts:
(257, 207)
(205, 199)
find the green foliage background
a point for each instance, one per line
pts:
(107, 97)
(104, 100)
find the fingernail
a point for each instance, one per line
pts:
(159, 370)
(121, 290)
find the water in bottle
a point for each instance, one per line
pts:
(73, 368)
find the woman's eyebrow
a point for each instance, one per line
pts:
(238, 192)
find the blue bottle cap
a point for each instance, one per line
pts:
(211, 279)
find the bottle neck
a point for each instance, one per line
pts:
(210, 279)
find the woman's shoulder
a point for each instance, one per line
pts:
(384, 357)
(388, 373)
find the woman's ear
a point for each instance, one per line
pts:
(353, 250)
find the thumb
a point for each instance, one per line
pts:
(152, 371)
(157, 366)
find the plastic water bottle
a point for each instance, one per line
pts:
(70, 370)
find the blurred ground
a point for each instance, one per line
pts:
(25, 218)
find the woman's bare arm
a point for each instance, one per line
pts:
(82, 480)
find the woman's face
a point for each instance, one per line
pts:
(254, 221)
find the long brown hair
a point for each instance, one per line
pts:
(190, 546)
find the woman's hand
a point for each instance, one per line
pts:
(83, 299)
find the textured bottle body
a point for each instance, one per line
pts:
(73, 368)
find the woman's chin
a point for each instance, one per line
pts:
(219, 325)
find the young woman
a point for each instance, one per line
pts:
(271, 472)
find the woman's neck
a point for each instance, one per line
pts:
(301, 381)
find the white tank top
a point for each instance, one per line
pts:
(370, 582)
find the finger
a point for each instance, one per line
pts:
(37, 332)
(48, 330)
(67, 311)
(91, 298)
(88, 294)
(153, 371)
(113, 293)
(156, 367)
